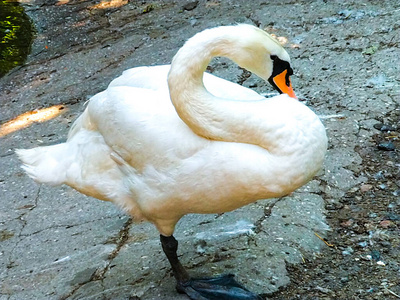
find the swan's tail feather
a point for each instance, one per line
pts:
(45, 164)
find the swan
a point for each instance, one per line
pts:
(164, 141)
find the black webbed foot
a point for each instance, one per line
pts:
(218, 288)
(223, 287)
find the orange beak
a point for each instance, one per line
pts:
(285, 87)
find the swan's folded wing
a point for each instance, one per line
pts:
(152, 78)
(140, 124)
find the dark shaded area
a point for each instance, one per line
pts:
(16, 35)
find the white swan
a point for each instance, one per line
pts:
(216, 147)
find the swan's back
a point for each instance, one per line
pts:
(155, 78)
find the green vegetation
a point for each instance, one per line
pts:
(16, 34)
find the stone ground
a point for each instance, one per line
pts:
(58, 244)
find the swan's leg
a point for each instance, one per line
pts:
(170, 247)
(217, 288)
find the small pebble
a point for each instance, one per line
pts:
(375, 255)
(363, 244)
(396, 192)
(344, 279)
(347, 223)
(389, 146)
(191, 5)
(365, 188)
(384, 128)
(382, 186)
(386, 224)
(379, 175)
(348, 251)
(193, 21)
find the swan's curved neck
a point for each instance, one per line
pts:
(207, 115)
(268, 123)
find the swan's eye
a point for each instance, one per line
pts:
(274, 57)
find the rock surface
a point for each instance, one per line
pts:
(57, 244)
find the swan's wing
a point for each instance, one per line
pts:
(139, 124)
(152, 78)
(155, 78)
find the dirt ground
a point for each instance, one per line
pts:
(345, 56)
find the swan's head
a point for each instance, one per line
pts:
(248, 46)
(258, 52)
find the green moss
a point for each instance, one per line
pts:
(16, 34)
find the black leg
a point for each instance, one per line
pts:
(170, 247)
(219, 288)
